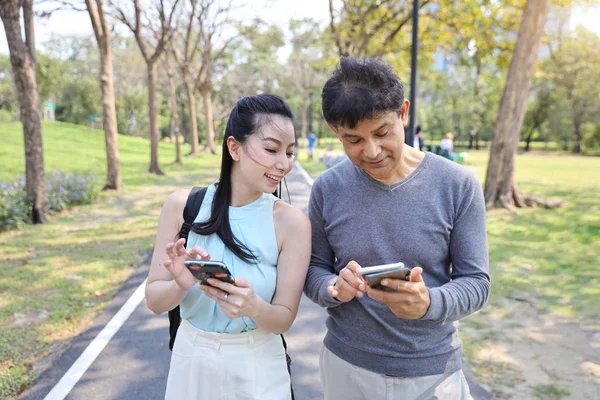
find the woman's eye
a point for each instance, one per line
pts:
(290, 155)
(271, 151)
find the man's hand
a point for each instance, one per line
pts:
(349, 284)
(411, 301)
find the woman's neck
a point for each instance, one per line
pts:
(241, 193)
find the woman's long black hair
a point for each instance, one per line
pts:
(248, 116)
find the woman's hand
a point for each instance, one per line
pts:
(237, 300)
(177, 255)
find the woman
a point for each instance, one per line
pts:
(227, 346)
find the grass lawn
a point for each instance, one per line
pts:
(55, 278)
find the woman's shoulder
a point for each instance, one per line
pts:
(290, 217)
(175, 202)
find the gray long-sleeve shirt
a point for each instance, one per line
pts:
(435, 219)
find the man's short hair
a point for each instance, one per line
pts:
(360, 90)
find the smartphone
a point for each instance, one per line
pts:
(373, 275)
(203, 270)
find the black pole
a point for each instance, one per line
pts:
(410, 133)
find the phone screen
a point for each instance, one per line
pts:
(203, 270)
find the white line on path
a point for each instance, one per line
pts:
(72, 376)
(303, 172)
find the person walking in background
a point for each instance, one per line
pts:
(312, 144)
(228, 344)
(389, 203)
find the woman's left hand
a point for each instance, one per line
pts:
(237, 300)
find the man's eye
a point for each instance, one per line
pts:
(383, 134)
(354, 141)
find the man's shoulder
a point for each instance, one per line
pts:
(338, 175)
(451, 174)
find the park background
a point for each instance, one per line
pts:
(172, 84)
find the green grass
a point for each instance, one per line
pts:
(76, 148)
(60, 275)
(549, 392)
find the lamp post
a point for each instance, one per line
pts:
(410, 132)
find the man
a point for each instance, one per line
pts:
(402, 344)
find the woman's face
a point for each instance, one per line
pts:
(268, 154)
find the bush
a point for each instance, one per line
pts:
(63, 191)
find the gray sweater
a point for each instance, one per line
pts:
(435, 219)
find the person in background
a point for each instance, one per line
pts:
(312, 144)
(447, 147)
(418, 143)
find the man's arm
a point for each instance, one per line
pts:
(321, 273)
(470, 286)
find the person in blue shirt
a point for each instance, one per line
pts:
(227, 346)
(312, 144)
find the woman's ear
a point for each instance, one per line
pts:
(234, 148)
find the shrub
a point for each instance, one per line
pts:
(63, 191)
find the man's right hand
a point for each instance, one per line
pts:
(349, 284)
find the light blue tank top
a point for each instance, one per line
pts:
(253, 225)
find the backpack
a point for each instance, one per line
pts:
(192, 207)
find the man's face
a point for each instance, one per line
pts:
(376, 145)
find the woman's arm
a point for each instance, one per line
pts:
(294, 257)
(292, 229)
(162, 292)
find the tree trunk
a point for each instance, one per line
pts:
(304, 121)
(154, 166)
(500, 188)
(208, 113)
(576, 136)
(192, 107)
(23, 65)
(109, 117)
(174, 114)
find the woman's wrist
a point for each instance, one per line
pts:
(258, 307)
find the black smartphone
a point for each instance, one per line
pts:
(203, 270)
(373, 275)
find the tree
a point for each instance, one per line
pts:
(95, 10)
(212, 19)
(500, 187)
(188, 63)
(573, 69)
(162, 27)
(174, 123)
(22, 58)
(304, 66)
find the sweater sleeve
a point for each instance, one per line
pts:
(321, 272)
(469, 288)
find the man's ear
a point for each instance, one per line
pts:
(404, 112)
(335, 131)
(234, 148)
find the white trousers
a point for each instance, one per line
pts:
(221, 366)
(344, 381)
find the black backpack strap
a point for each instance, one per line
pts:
(192, 207)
